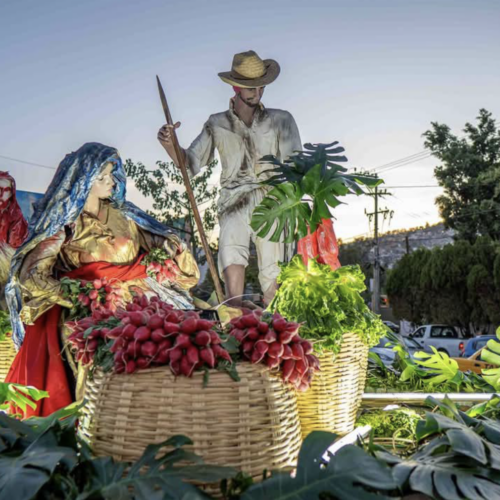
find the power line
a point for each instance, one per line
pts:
(401, 162)
(27, 162)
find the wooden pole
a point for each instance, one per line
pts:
(189, 190)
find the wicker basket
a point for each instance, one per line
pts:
(251, 425)
(332, 401)
(7, 355)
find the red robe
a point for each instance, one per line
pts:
(13, 226)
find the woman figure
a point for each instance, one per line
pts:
(83, 229)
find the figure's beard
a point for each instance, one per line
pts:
(250, 104)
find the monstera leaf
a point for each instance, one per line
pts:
(441, 366)
(350, 473)
(313, 174)
(282, 208)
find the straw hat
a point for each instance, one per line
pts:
(250, 71)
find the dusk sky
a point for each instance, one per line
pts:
(371, 74)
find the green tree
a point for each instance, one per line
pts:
(470, 175)
(170, 201)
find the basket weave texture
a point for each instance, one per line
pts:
(7, 355)
(251, 425)
(333, 400)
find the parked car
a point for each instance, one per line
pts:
(387, 355)
(474, 362)
(444, 338)
(395, 328)
(475, 344)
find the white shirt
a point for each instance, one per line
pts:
(240, 147)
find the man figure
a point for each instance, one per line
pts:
(242, 135)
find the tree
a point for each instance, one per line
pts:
(470, 175)
(170, 201)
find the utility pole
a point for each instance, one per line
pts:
(386, 213)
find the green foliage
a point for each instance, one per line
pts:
(313, 174)
(42, 458)
(350, 473)
(170, 201)
(401, 423)
(327, 302)
(469, 174)
(20, 396)
(491, 354)
(455, 284)
(5, 326)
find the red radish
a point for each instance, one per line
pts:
(249, 320)
(248, 346)
(287, 352)
(253, 333)
(279, 325)
(186, 367)
(261, 346)
(257, 356)
(144, 302)
(214, 337)
(182, 341)
(175, 354)
(295, 377)
(172, 317)
(207, 355)
(270, 336)
(119, 368)
(192, 314)
(92, 345)
(117, 345)
(220, 352)
(296, 339)
(149, 349)
(202, 338)
(142, 334)
(97, 284)
(288, 368)
(192, 355)
(301, 366)
(158, 335)
(156, 321)
(163, 357)
(119, 356)
(313, 361)
(205, 324)
(272, 362)
(129, 331)
(275, 350)
(307, 346)
(131, 367)
(165, 344)
(134, 348)
(263, 327)
(286, 337)
(175, 366)
(138, 318)
(93, 294)
(125, 319)
(188, 326)
(238, 334)
(108, 289)
(297, 351)
(142, 362)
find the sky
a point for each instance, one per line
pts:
(372, 74)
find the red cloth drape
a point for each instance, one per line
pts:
(321, 244)
(39, 363)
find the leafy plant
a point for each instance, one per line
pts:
(43, 458)
(327, 302)
(313, 174)
(20, 396)
(391, 423)
(350, 473)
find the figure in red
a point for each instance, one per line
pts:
(13, 226)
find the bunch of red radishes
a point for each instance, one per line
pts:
(270, 339)
(151, 333)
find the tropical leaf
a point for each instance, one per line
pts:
(350, 473)
(19, 395)
(441, 366)
(282, 208)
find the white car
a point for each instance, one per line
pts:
(444, 338)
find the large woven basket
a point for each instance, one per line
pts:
(332, 401)
(251, 425)
(7, 355)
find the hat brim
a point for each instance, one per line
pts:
(272, 72)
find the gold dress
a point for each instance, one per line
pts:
(110, 237)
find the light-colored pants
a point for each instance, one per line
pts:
(234, 243)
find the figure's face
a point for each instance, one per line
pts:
(251, 97)
(104, 184)
(5, 193)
